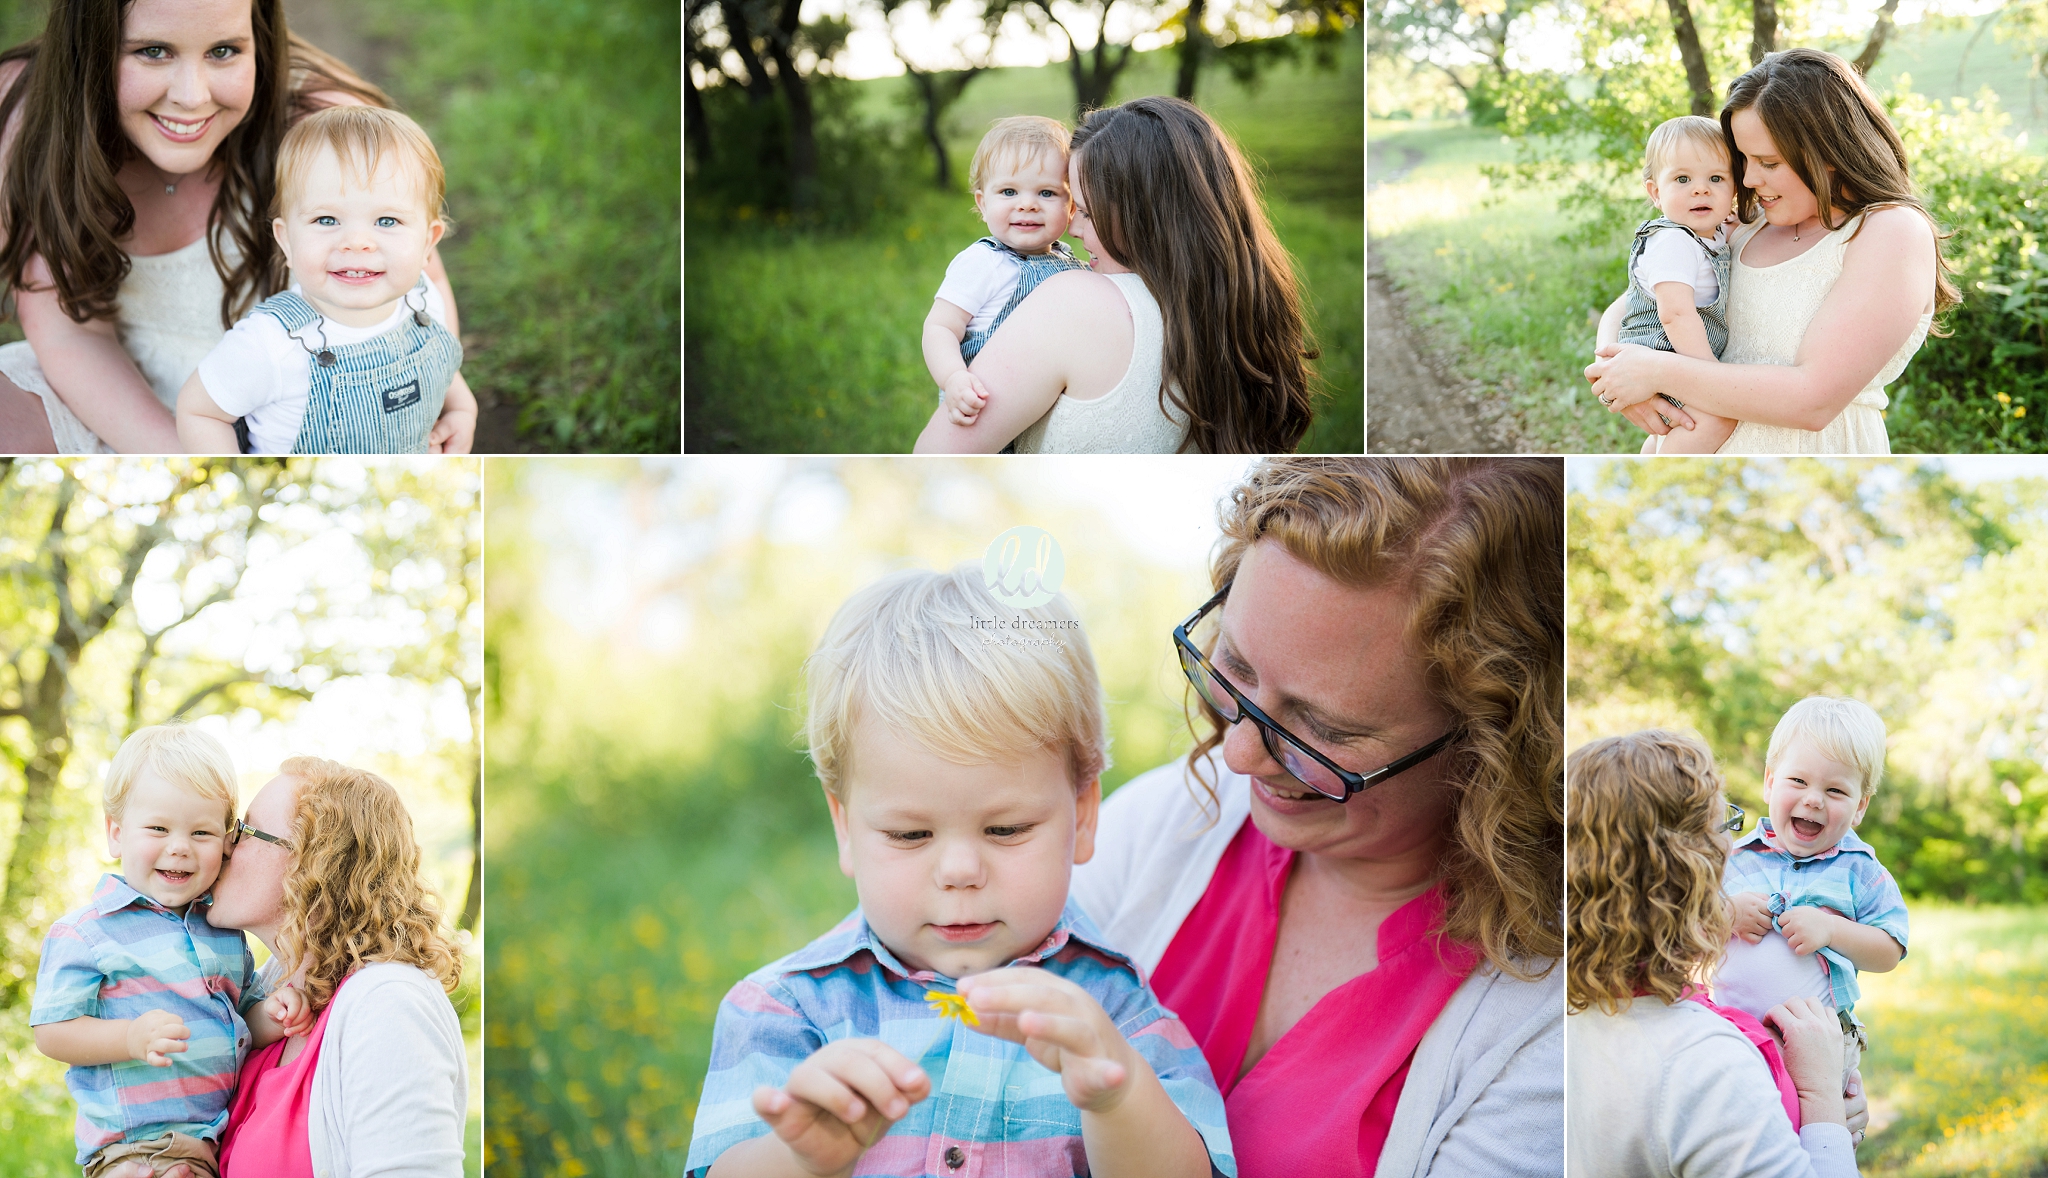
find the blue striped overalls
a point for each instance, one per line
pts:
(380, 396)
(1034, 269)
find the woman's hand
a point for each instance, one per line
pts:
(1062, 1026)
(1625, 381)
(840, 1101)
(1856, 1105)
(1812, 1034)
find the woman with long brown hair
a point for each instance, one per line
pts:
(1837, 274)
(139, 145)
(1189, 333)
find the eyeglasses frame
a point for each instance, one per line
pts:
(1269, 727)
(241, 828)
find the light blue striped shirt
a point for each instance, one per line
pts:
(1846, 877)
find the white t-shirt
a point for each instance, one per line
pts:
(1754, 978)
(264, 375)
(979, 280)
(1674, 255)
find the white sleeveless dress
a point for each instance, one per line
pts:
(1769, 308)
(168, 318)
(1127, 419)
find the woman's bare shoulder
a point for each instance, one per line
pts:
(1894, 227)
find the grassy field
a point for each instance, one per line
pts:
(557, 122)
(809, 341)
(1487, 277)
(1958, 1066)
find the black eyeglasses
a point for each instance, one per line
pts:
(1297, 756)
(1733, 823)
(241, 828)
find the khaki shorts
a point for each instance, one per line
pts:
(160, 1152)
(1855, 1041)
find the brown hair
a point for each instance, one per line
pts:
(360, 137)
(1833, 134)
(1479, 545)
(62, 201)
(353, 894)
(1646, 914)
(1174, 201)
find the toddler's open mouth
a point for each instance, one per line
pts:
(1806, 829)
(355, 277)
(174, 878)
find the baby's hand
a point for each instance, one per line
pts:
(840, 1101)
(155, 1036)
(964, 397)
(289, 1009)
(1807, 929)
(1752, 915)
(1062, 1027)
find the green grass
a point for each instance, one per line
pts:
(1958, 1066)
(1486, 272)
(557, 122)
(808, 340)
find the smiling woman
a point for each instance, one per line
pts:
(137, 233)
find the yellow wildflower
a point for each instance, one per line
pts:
(951, 1006)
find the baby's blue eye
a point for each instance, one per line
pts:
(387, 222)
(324, 219)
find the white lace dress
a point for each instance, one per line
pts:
(1127, 419)
(168, 319)
(1769, 308)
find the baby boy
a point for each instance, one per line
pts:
(357, 357)
(136, 991)
(1019, 178)
(1677, 298)
(962, 774)
(1812, 903)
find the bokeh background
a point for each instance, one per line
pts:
(827, 151)
(556, 121)
(290, 606)
(1711, 595)
(1505, 163)
(654, 830)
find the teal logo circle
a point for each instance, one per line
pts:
(1023, 567)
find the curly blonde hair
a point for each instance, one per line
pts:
(1643, 879)
(354, 894)
(1479, 544)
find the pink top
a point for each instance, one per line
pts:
(1327, 1089)
(1774, 1056)
(268, 1135)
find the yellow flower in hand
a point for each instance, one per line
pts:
(951, 1006)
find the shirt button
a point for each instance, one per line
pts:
(955, 1157)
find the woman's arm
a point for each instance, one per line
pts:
(1065, 336)
(93, 374)
(1886, 282)
(400, 1084)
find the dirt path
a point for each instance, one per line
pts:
(1413, 404)
(329, 24)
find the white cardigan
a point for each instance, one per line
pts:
(391, 1086)
(1485, 1093)
(1677, 1092)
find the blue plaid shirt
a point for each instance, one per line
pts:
(1846, 877)
(123, 955)
(993, 1109)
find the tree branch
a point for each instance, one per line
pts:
(1878, 35)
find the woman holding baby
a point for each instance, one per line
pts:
(324, 870)
(1665, 1083)
(1188, 328)
(1350, 892)
(1834, 286)
(139, 146)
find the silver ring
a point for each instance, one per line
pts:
(1666, 421)
(1607, 401)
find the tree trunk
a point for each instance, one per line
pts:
(695, 126)
(1764, 38)
(741, 34)
(1878, 34)
(803, 136)
(1696, 77)
(1191, 47)
(473, 903)
(928, 90)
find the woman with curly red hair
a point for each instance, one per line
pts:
(1351, 891)
(1663, 1083)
